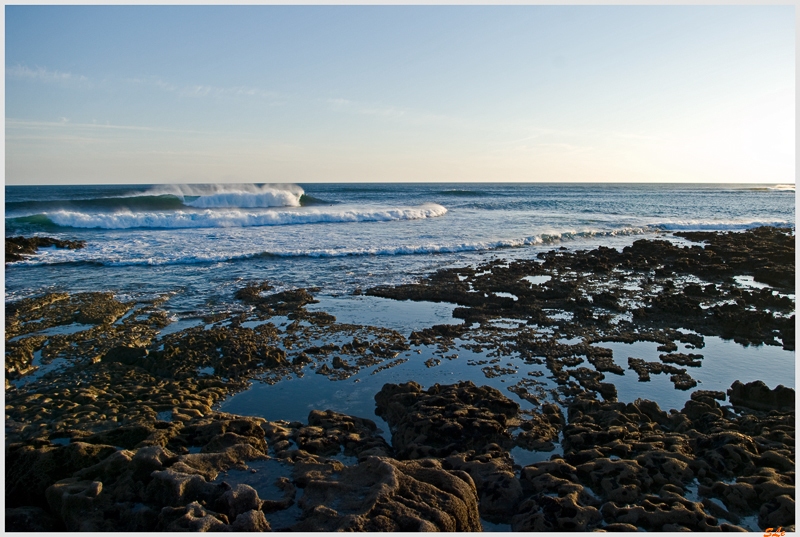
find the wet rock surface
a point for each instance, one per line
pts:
(718, 307)
(701, 469)
(18, 248)
(112, 426)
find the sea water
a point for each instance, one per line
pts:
(199, 244)
(202, 238)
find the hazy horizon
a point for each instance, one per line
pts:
(366, 94)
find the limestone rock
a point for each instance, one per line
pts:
(445, 419)
(382, 494)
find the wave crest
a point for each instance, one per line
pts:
(233, 195)
(217, 218)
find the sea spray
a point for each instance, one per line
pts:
(289, 192)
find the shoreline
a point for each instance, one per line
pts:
(130, 399)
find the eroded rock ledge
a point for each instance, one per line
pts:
(623, 467)
(17, 248)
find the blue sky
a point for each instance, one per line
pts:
(146, 94)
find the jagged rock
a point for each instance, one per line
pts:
(125, 437)
(217, 434)
(210, 464)
(541, 429)
(551, 477)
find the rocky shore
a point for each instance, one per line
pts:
(113, 423)
(18, 248)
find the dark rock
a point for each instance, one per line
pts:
(444, 419)
(499, 491)
(192, 517)
(77, 504)
(237, 501)
(655, 513)
(778, 513)
(548, 514)
(758, 396)
(25, 519)
(30, 471)
(17, 248)
(381, 494)
(125, 354)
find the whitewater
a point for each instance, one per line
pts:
(199, 239)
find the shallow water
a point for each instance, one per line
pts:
(723, 362)
(404, 316)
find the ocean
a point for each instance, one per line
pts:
(199, 244)
(340, 237)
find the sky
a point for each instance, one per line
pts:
(206, 94)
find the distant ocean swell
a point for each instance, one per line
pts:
(225, 218)
(174, 198)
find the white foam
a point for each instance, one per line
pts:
(711, 225)
(238, 218)
(197, 249)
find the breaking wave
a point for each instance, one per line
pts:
(235, 218)
(244, 196)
